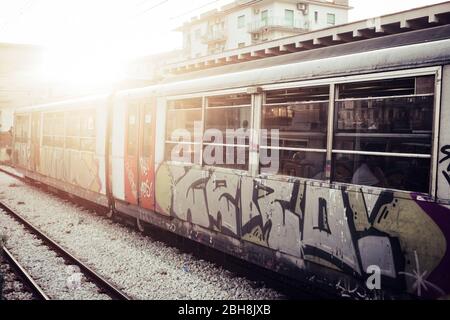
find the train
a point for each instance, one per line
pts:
(338, 169)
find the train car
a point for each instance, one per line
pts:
(63, 145)
(358, 177)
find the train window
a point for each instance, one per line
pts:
(54, 135)
(80, 130)
(227, 131)
(183, 117)
(22, 129)
(148, 125)
(87, 124)
(73, 130)
(383, 133)
(132, 126)
(88, 131)
(301, 116)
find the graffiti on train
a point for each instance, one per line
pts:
(346, 230)
(446, 152)
(72, 166)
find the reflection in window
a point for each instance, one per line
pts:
(54, 131)
(412, 174)
(22, 129)
(227, 135)
(392, 117)
(301, 116)
(80, 130)
(183, 117)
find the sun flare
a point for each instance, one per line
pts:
(82, 67)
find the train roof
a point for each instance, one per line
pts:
(66, 103)
(395, 52)
(382, 42)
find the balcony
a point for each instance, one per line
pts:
(216, 36)
(279, 24)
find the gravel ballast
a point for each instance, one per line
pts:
(58, 280)
(13, 288)
(140, 266)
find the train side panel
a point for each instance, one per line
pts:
(443, 194)
(335, 232)
(68, 148)
(118, 149)
(342, 229)
(22, 140)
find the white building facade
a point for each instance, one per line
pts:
(246, 23)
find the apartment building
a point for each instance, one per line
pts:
(244, 23)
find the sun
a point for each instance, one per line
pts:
(83, 66)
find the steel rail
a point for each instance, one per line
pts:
(11, 174)
(37, 291)
(103, 284)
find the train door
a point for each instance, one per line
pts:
(35, 141)
(131, 153)
(147, 156)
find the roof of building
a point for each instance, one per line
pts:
(241, 4)
(401, 22)
(396, 40)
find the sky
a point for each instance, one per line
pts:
(100, 35)
(128, 27)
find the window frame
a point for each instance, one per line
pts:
(90, 111)
(258, 101)
(306, 150)
(53, 114)
(248, 148)
(333, 82)
(204, 96)
(192, 143)
(25, 117)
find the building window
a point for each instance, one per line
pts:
(241, 22)
(331, 19)
(289, 17)
(227, 137)
(265, 17)
(383, 133)
(301, 116)
(316, 16)
(241, 44)
(182, 118)
(198, 34)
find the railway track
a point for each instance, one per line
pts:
(23, 275)
(239, 267)
(90, 274)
